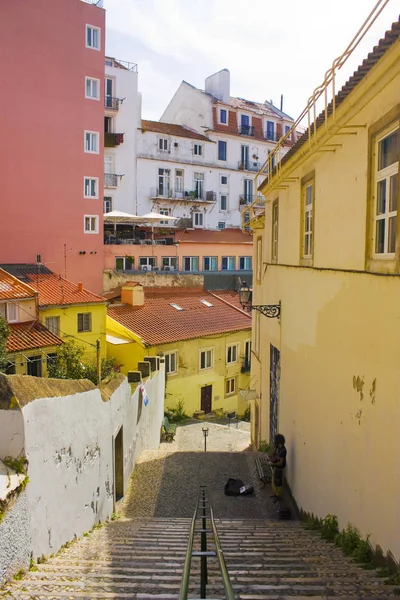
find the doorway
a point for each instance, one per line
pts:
(206, 395)
(119, 464)
(34, 366)
(274, 379)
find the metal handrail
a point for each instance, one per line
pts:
(204, 554)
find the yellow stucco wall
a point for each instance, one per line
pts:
(69, 325)
(21, 361)
(339, 332)
(127, 356)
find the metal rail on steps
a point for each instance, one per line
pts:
(204, 513)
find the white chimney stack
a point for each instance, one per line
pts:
(219, 85)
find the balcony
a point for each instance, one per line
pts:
(246, 365)
(183, 195)
(245, 199)
(272, 136)
(111, 180)
(249, 165)
(246, 130)
(112, 140)
(112, 103)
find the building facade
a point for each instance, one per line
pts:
(52, 194)
(327, 246)
(121, 120)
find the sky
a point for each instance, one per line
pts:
(271, 47)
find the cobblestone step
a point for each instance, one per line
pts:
(144, 560)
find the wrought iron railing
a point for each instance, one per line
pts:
(98, 3)
(249, 165)
(245, 368)
(112, 103)
(245, 199)
(246, 130)
(186, 195)
(120, 64)
(204, 514)
(111, 180)
(272, 136)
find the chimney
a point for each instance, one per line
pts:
(219, 85)
(133, 295)
(80, 286)
(281, 102)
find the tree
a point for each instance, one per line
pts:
(4, 333)
(67, 364)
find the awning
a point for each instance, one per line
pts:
(113, 339)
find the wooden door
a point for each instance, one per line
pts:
(206, 395)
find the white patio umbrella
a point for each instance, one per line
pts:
(116, 216)
(153, 217)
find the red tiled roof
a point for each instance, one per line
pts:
(157, 322)
(229, 296)
(368, 63)
(206, 236)
(171, 129)
(12, 288)
(55, 291)
(30, 335)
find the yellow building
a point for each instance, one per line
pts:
(66, 308)
(204, 336)
(30, 344)
(327, 246)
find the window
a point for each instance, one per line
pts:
(386, 192)
(223, 202)
(221, 225)
(259, 259)
(164, 183)
(91, 224)
(124, 263)
(92, 88)
(171, 362)
(107, 204)
(198, 219)
(53, 324)
(84, 322)
(92, 142)
(275, 230)
(190, 263)
(166, 212)
(245, 263)
(163, 144)
(147, 263)
(232, 353)
(198, 185)
(91, 186)
(9, 311)
(230, 386)
(34, 365)
(270, 134)
(287, 129)
(223, 116)
(169, 263)
(93, 37)
(206, 359)
(108, 124)
(197, 149)
(221, 150)
(228, 263)
(210, 263)
(224, 180)
(179, 182)
(109, 100)
(307, 191)
(248, 191)
(245, 125)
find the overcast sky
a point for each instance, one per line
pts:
(271, 47)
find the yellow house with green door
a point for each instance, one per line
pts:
(327, 246)
(205, 338)
(66, 308)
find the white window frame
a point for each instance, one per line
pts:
(210, 363)
(125, 259)
(167, 213)
(12, 307)
(93, 28)
(163, 144)
(96, 221)
(229, 260)
(169, 260)
(199, 217)
(232, 353)
(94, 135)
(198, 149)
(168, 354)
(92, 80)
(221, 225)
(90, 180)
(110, 200)
(227, 179)
(86, 322)
(53, 324)
(191, 263)
(246, 259)
(230, 386)
(226, 202)
(211, 259)
(226, 150)
(147, 261)
(385, 174)
(227, 116)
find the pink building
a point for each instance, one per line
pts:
(51, 184)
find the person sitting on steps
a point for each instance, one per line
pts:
(278, 463)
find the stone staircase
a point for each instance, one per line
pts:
(143, 559)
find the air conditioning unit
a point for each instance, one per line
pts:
(167, 268)
(145, 268)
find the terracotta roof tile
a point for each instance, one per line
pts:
(54, 291)
(229, 296)
(373, 57)
(171, 129)
(157, 322)
(12, 288)
(220, 236)
(30, 335)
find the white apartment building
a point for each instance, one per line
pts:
(121, 120)
(198, 163)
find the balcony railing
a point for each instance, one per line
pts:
(245, 368)
(111, 140)
(120, 64)
(112, 103)
(184, 195)
(246, 130)
(98, 3)
(249, 165)
(111, 180)
(272, 136)
(246, 199)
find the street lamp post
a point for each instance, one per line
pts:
(205, 434)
